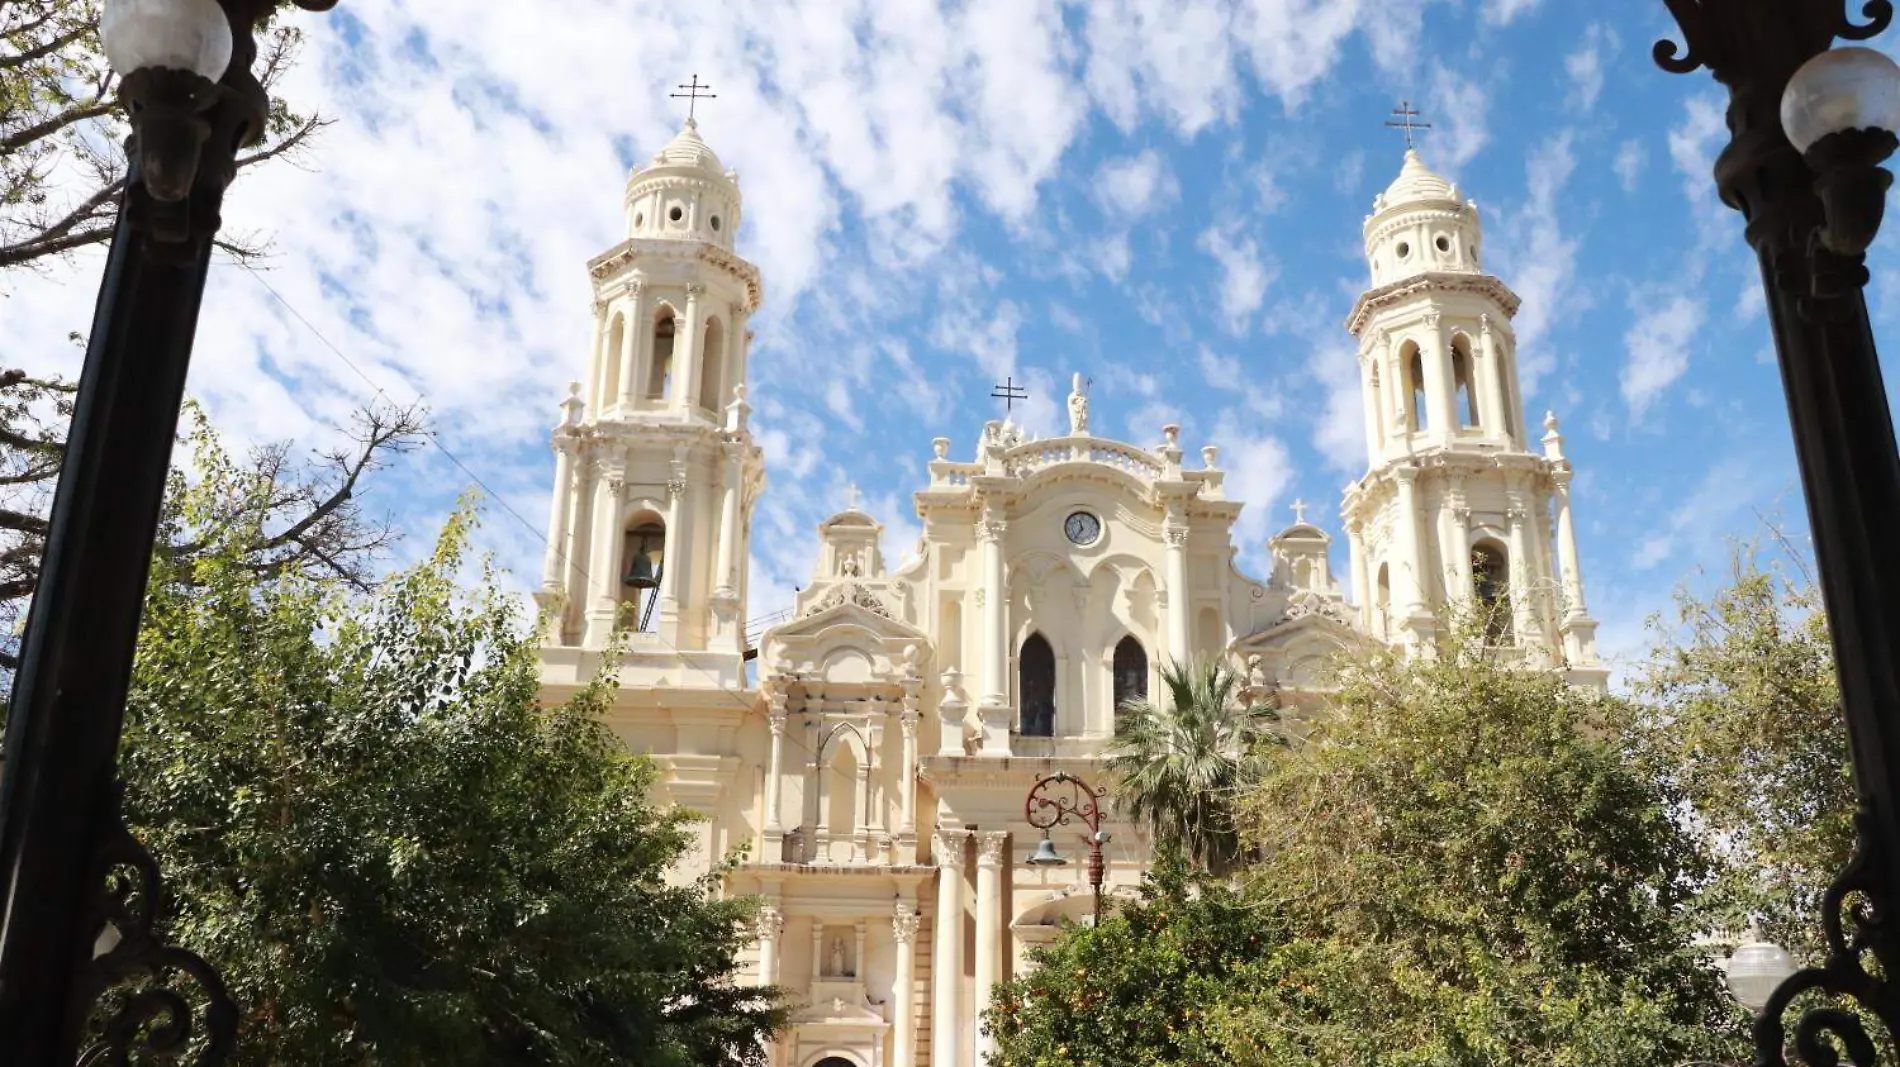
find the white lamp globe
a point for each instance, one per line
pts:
(1841, 89)
(191, 35)
(1755, 970)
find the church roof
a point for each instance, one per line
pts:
(1416, 183)
(687, 149)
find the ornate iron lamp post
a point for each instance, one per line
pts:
(1809, 128)
(1053, 801)
(78, 896)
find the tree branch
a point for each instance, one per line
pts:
(53, 44)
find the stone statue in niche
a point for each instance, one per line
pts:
(838, 965)
(1256, 672)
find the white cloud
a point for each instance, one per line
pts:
(1340, 432)
(1659, 346)
(1630, 158)
(1540, 259)
(1259, 469)
(1221, 372)
(1501, 12)
(1132, 186)
(1244, 275)
(1693, 145)
(1585, 66)
(1460, 113)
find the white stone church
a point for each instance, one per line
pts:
(874, 775)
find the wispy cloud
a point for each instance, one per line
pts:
(1659, 343)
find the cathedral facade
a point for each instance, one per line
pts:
(868, 755)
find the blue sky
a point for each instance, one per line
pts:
(1165, 196)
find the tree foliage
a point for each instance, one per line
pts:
(1742, 714)
(394, 855)
(1458, 863)
(1182, 766)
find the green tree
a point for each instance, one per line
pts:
(1477, 872)
(393, 853)
(1181, 765)
(1141, 989)
(1742, 715)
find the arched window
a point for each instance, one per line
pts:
(660, 373)
(1462, 381)
(1491, 588)
(712, 369)
(1414, 364)
(834, 1061)
(1036, 681)
(610, 363)
(644, 556)
(1131, 675)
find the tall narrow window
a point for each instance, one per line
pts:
(640, 580)
(1383, 601)
(712, 369)
(1131, 675)
(660, 377)
(1461, 377)
(1414, 387)
(1036, 680)
(1491, 587)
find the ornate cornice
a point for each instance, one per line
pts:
(1435, 282)
(617, 258)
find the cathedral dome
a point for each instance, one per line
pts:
(1416, 183)
(1420, 224)
(684, 194)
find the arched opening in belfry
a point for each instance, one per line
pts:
(660, 371)
(1130, 676)
(1036, 682)
(1382, 601)
(1413, 362)
(712, 368)
(1463, 382)
(610, 362)
(1491, 590)
(642, 563)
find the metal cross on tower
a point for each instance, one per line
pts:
(695, 92)
(1407, 120)
(1009, 392)
(1299, 511)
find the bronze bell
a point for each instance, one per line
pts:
(644, 547)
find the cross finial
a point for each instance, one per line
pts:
(851, 496)
(1407, 120)
(1299, 512)
(1009, 392)
(695, 92)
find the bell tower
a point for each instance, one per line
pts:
(656, 469)
(1456, 515)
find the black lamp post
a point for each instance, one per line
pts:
(79, 898)
(1053, 801)
(1809, 128)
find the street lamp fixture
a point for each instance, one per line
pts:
(1054, 801)
(1755, 970)
(80, 899)
(1809, 127)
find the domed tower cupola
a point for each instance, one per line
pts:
(684, 194)
(1421, 223)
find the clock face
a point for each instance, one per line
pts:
(1082, 528)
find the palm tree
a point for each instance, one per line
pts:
(1182, 766)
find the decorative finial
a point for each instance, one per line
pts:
(940, 447)
(851, 496)
(737, 411)
(693, 95)
(1553, 441)
(1299, 512)
(572, 406)
(1079, 407)
(1172, 435)
(1210, 455)
(1407, 120)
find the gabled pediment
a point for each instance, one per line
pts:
(848, 636)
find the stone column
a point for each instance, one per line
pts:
(1174, 531)
(1361, 581)
(1523, 620)
(1491, 354)
(673, 556)
(904, 985)
(603, 557)
(602, 358)
(907, 775)
(993, 601)
(777, 702)
(725, 579)
(946, 979)
(1369, 398)
(1410, 579)
(1440, 391)
(1567, 555)
(633, 344)
(686, 378)
(992, 854)
(770, 925)
(1454, 544)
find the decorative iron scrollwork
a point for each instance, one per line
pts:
(1854, 927)
(131, 998)
(1703, 31)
